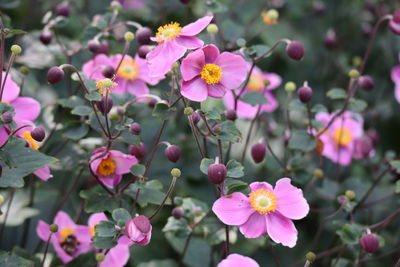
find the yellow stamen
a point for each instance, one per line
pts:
(128, 70)
(105, 85)
(92, 230)
(106, 167)
(263, 201)
(342, 136)
(65, 232)
(32, 142)
(211, 73)
(168, 32)
(256, 82)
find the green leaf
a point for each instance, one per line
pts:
(204, 164)
(150, 193)
(12, 32)
(129, 138)
(254, 98)
(10, 260)
(214, 114)
(301, 140)
(235, 169)
(397, 188)
(357, 105)
(81, 111)
(350, 233)
(296, 105)
(97, 200)
(138, 170)
(336, 93)
(229, 132)
(71, 102)
(396, 165)
(93, 96)
(105, 229)
(121, 216)
(319, 108)
(162, 111)
(103, 242)
(9, 4)
(159, 263)
(237, 186)
(76, 133)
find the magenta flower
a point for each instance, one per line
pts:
(139, 230)
(394, 23)
(131, 76)
(363, 148)
(266, 209)
(262, 82)
(70, 241)
(173, 41)
(117, 256)
(206, 72)
(339, 139)
(132, 4)
(110, 165)
(396, 79)
(234, 260)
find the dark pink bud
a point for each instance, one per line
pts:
(135, 128)
(108, 71)
(184, 1)
(152, 103)
(318, 8)
(231, 114)
(394, 23)
(46, 37)
(55, 74)
(142, 223)
(373, 135)
(38, 134)
(396, 16)
(173, 153)
(105, 104)
(143, 50)
(295, 50)
(139, 230)
(195, 117)
(362, 147)
(305, 93)
(330, 39)
(93, 46)
(7, 117)
(103, 48)
(258, 152)
(62, 10)
(369, 242)
(177, 213)
(143, 35)
(366, 82)
(138, 151)
(217, 173)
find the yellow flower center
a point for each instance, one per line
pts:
(32, 142)
(106, 167)
(211, 73)
(168, 32)
(92, 230)
(128, 70)
(66, 232)
(342, 136)
(256, 82)
(263, 201)
(105, 85)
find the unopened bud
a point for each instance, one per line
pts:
(178, 213)
(195, 117)
(330, 39)
(173, 153)
(354, 74)
(230, 114)
(135, 128)
(93, 46)
(295, 50)
(143, 50)
(366, 82)
(7, 117)
(108, 71)
(24, 70)
(143, 35)
(188, 111)
(129, 36)
(369, 242)
(258, 152)
(55, 74)
(38, 134)
(310, 256)
(305, 93)
(105, 104)
(100, 257)
(53, 228)
(63, 10)
(16, 49)
(318, 173)
(290, 86)
(217, 173)
(138, 151)
(175, 172)
(350, 194)
(46, 37)
(212, 28)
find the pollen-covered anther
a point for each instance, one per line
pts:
(263, 201)
(128, 70)
(211, 73)
(106, 167)
(168, 32)
(105, 85)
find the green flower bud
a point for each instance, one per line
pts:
(24, 70)
(310, 256)
(273, 14)
(1, 199)
(16, 49)
(129, 36)
(350, 194)
(100, 257)
(290, 86)
(54, 228)
(212, 28)
(175, 172)
(188, 111)
(318, 173)
(354, 74)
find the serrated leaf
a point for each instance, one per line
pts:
(105, 229)
(71, 102)
(162, 111)
(254, 98)
(103, 242)
(350, 233)
(357, 105)
(121, 216)
(214, 114)
(76, 133)
(229, 132)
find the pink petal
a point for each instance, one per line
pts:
(43, 230)
(291, 202)
(123, 161)
(11, 89)
(272, 103)
(216, 90)
(93, 68)
(82, 233)
(95, 218)
(144, 72)
(137, 87)
(255, 226)
(122, 85)
(195, 89)
(43, 173)
(397, 92)
(234, 69)
(118, 256)
(233, 209)
(192, 65)
(211, 53)
(236, 260)
(196, 27)
(111, 180)
(26, 108)
(63, 220)
(65, 258)
(260, 185)
(281, 229)
(190, 42)
(395, 74)
(274, 80)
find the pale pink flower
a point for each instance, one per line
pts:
(396, 79)
(237, 260)
(138, 230)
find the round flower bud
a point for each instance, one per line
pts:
(330, 39)
(46, 37)
(100, 257)
(366, 82)
(295, 50)
(350, 194)
(62, 10)
(217, 173)
(173, 153)
(318, 8)
(273, 14)
(175, 172)
(195, 117)
(178, 213)
(139, 230)
(394, 23)
(212, 28)
(184, 1)
(310, 256)
(290, 86)
(143, 50)
(16, 49)
(7, 117)
(105, 104)
(24, 70)
(108, 71)
(258, 152)
(93, 46)
(135, 128)
(53, 228)
(129, 36)
(354, 74)
(143, 35)
(38, 134)
(55, 74)
(369, 242)
(318, 173)
(188, 111)
(138, 151)
(304, 93)
(103, 48)
(230, 114)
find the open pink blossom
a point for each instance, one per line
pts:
(262, 82)
(394, 22)
(266, 209)
(339, 139)
(117, 256)
(139, 230)
(70, 241)
(236, 260)
(132, 4)
(132, 76)
(206, 72)
(110, 165)
(396, 79)
(173, 41)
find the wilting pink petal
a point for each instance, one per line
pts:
(234, 209)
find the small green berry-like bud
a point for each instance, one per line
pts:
(107, 82)
(24, 70)
(273, 14)
(350, 194)
(318, 173)
(290, 86)
(356, 61)
(212, 28)
(100, 257)
(354, 74)
(188, 111)
(175, 172)
(1, 199)
(54, 228)
(175, 66)
(16, 49)
(310, 256)
(129, 36)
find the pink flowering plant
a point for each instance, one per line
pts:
(199, 133)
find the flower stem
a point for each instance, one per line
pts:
(11, 197)
(46, 249)
(170, 189)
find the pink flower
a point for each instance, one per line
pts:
(139, 230)
(132, 4)
(266, 209)
(70, 241)
(256, 84)
(110, 165)
(206, 72)
(396, 79)
(235, 260)
(173, 41)
(338, 141)
(117, 256)
(394, 23)
(363, 148)
(131, 77)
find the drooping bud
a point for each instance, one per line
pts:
(63, 10)
(394, 23)
(330, 39)
(143, 35)
(55, 74)
(138, 151)
(178, 212)
(135, 128)
(305, 93)
(217, 173)
(105, 104)
(24, 70)
(104, 48)
(46, 37)
(195, 117)
(369, 242)
(38, 134)
(366, 82)
(138, 230)
(143, 50)
(175, 172)
(230, 114)
(53, 228)
(295, 50)
(7, 117)
(173, 153)
(258, 152)
(93, 46)
(108, 71)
